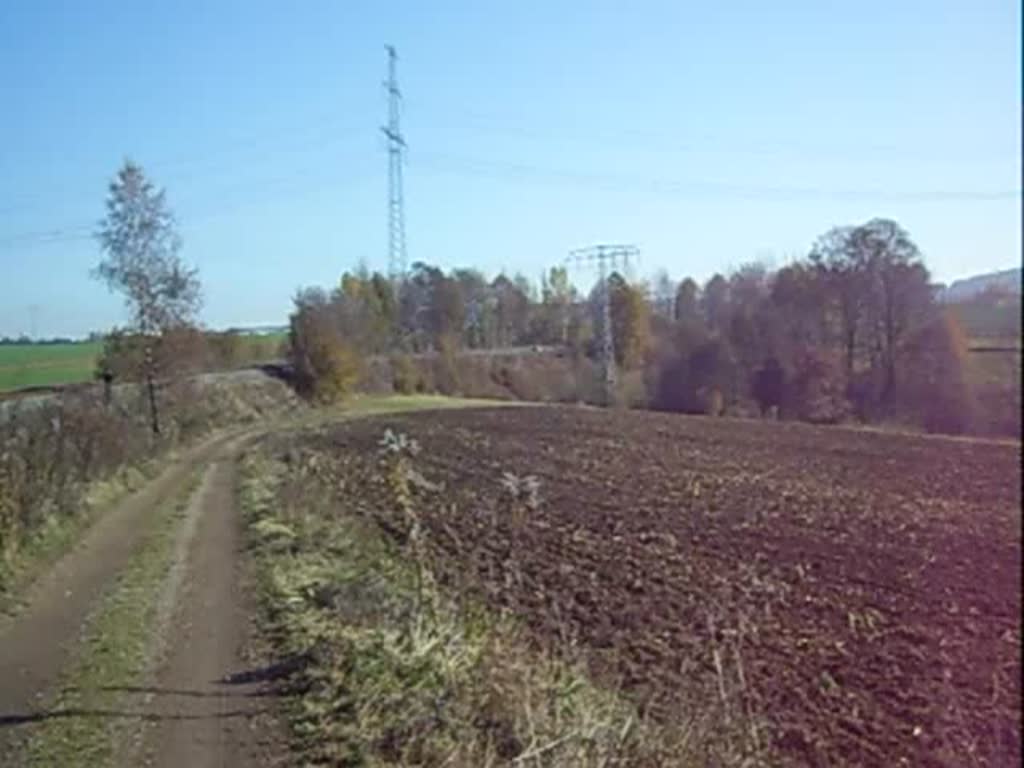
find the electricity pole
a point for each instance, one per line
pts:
(397, 262)
(608, 258)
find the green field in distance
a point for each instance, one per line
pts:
(37, 365)
(48, 365)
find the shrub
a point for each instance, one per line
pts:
(710, 401)
(405, 378)
(686, 382)
(326, 366)
(179, 350)
(335, 371)
(632, 389)
(446, 369)
(937, 385)
(227, 349)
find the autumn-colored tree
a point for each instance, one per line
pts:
(937, 383)
(366, 310)
(900, 295)
(326, 366)
(557, 295)
(631, 329)
(879, 288)
(140, 244)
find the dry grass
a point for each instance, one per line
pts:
(66, 457)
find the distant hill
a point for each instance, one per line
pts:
(1008, 280)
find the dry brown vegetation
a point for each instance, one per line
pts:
(52, 451)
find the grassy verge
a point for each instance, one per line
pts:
(359, 406)
(370, 405)
(85, 720)
(61, 532)
(391, 669)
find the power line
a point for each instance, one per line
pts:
(448, 163)
(86, 231)
(534, 174)
(600, 133)
(397, 256)
(317, 135)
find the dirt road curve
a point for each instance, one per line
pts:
(205, 702)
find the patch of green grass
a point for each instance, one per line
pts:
(368, 405)
(88, 714)
(36, 365)
(359, 406)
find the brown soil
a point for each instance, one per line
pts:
(208, 705)
(861, 589)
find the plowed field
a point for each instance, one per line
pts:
(859, 591)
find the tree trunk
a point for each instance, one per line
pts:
(154, 415)
(851, 346)
(107, 388)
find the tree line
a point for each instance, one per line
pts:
(851, 330)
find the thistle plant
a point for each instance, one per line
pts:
(397, 452)
(398, 444)
(522, 493)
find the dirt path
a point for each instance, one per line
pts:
(206, 701)
(35, 644)
(207, 706)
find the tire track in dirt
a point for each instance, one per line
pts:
(36, 643)
(207, 706)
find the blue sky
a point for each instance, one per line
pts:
(709, 134)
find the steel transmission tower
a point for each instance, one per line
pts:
(397, 260)
(608, 258)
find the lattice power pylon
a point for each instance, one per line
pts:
(608, 258)
(397, 257)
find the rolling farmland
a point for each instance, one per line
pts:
(856, 592)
